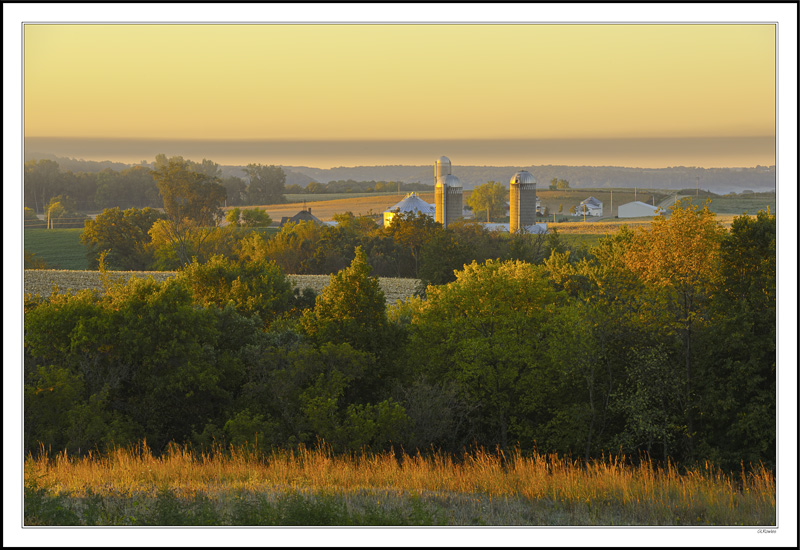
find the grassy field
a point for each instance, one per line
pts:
(313, 487)
(740, 204)
(59, 248)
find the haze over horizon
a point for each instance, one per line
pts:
(323, 95)
(728, 152)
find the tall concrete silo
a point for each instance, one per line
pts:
(522, 203)
(449, 206)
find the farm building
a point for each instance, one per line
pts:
(638, 209)
(411, 203)
(304, 215)
(448, 195)
(590, 206)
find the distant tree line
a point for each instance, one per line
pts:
(136, 187)
(628, 348)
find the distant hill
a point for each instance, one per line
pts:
(77, 165)
(718, 180)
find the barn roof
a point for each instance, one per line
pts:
(591, 201)
(302, 216)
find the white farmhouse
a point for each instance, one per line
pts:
(590, 207)
(638, 209)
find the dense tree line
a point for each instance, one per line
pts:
(412, 246)
(137, 187)
(658, 341)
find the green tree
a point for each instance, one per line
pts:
(144, 361)
(486, 331)
(253, 217)
(677, 258)
(411, 231)
(266, 184)
(191, 202)
(491, 198)
(62, 212)
(295, 249)
(234, 217)
(739, 383)
(351, 309)
(236, 191)
(196, 242)
(208, 168)
(253, 288)
(125, 236)
(188, 195)
(42, 180)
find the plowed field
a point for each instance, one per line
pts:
(41, 281)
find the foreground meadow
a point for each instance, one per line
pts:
(315, 487)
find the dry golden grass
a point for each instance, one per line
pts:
(530, 490)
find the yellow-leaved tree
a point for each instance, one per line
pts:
(677, 260)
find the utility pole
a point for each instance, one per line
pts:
(697, 193)
(612, 203)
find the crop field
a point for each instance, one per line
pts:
(367, 204)
(298, 198)
(59, 248)
(315, 487)
(42, 281)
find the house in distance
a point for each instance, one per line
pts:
(304, 215)
(590, 207)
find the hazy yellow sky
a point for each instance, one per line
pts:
(326, 82)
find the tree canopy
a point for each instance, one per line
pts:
(491, 198)
(266, 184)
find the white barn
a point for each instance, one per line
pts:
(411, 203)
(638, 209)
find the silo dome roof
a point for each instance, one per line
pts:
(523, 176)
(444, 160)
(449, 180)
(412, 203)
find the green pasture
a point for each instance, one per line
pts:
(62, 248)
(740, 204)
(59, 248)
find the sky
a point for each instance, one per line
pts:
(576, 90)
